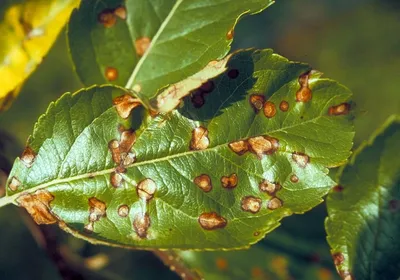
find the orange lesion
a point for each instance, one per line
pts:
(304, 94)
(124, 105)
(200, 140)
(38, 206)
(229, 182)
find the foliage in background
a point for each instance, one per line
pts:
(27, 31)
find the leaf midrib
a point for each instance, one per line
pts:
(12, 198)
(135, 72)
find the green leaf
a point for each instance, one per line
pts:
(141, 44)
(363, 222)
(182, 185)
(28, 28)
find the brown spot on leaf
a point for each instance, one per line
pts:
(301, 159)
(146, 189)
(113, 145)
(284, 106)
(207, 87)
(257, 233)
(338, 258)
(107, 18)
(129, 159)
(221, 264)
(197, 99)
(257, 102)
(304, 94)
(200, 139)
(269, 187)
(28, 157)
(38, 206)
(141, 224)
(274, 203)
(97, 209)
(125, 104)
(203, 182)
(338, 188)
(263, 145)
(229, 182)
(294, 178)
(239, 147)
(116, 179)
(251, 204)
(141, 45)
(324, 274)
(111, 73)
(233, 73)
(128, 138)
(123, 211)
(120, 12)
(269, 109)
(341, 109)
(230, 34)
(14, 184)
(211, 221)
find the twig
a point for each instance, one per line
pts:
(172, 260)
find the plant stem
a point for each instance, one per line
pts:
(6, 200)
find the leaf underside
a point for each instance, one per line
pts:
(27, 31)
(219, 173)
(364, 209)
(140, 44)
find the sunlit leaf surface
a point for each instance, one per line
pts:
(246, 149)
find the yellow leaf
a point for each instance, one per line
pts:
(27, 31)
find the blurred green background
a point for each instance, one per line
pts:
(355, 42)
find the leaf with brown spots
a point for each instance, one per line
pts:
(139, 43)
(184, 180)
(363, 223)
(27, 31)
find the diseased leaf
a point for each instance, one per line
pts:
(28, 29)
(148, 45)
(364, 221)
(216, 174)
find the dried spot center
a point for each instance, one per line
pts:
(257, 102)
(38, 206)
(203, 182)
(239, 147)
(301, 159)
(200, 139)
(269, 187)
(97, 209)
(28, 157)
(141, 224)
(211, 221)
(341, 109)
(111, 73)
(251, 204)
(274, 203)
(229, 182)
(14, 184)
(141, 45)
(269, 109)
(146, 189)
(263, 145)
(123, 211)
(304, 94)
(125, 104)
(294, 178)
